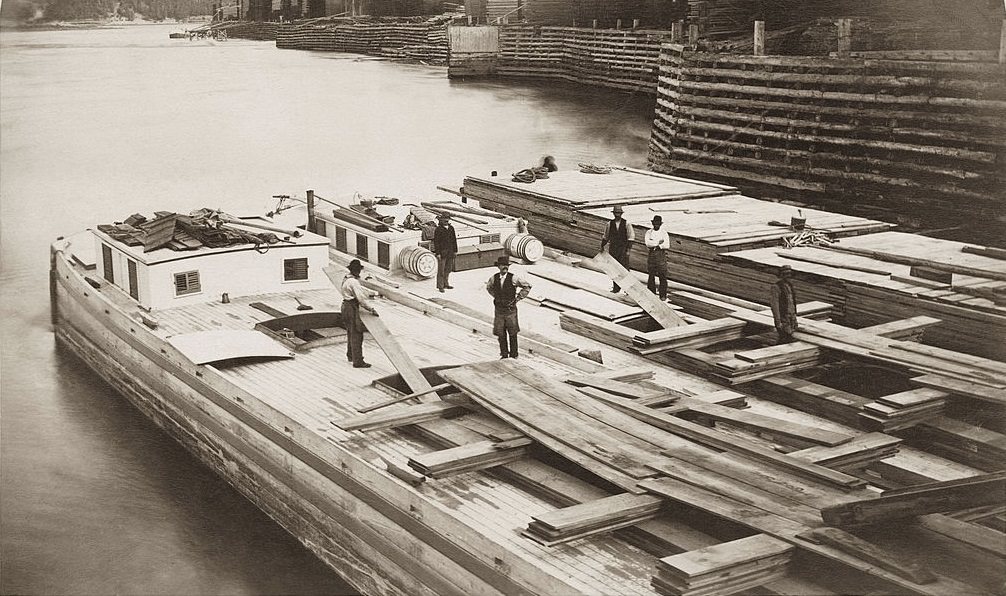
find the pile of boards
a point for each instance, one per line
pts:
(426, 41)
(903, 410)
(723, 568)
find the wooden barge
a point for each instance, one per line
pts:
(734, 244)
(552, 473)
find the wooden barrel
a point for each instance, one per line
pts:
(418, 261)
(524, 246)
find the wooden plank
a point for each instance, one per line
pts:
(720, 557)
(618, 388)
(630, 284)
(863, 550)
(962, 387)
(765, 424)
(469, 457)
(717, 440)
(969, 533)
(405, 397)
(401, 416)
(937, 497)
(870, 443)
(393, 350)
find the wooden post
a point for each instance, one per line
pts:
(1002, 44)
(759, 38)
(312, 222)
(593, 24)
(844, 37)
(635, 23)
(677, 31)
(693, 34)
(618, 23)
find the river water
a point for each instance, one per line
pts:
(98, 124)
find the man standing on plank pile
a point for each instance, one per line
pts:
(784, 305)
(502, 287)
(617, 237)
(445, 246)
(657, 241)
(355, 296)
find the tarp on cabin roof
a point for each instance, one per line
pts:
(205, 347)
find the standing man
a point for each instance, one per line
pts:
(355, 297)
(445, 246)
(657, 241)
(502, 287)
(617, 236)
(784, 305)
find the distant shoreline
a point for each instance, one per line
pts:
(90, 24)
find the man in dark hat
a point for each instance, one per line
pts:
(657, 241)
(617, 237)
(445, 246)
(355, 297)
(783, 303)
(503, 287)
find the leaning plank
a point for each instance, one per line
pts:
(861, 549)
(938, 497)
(656, 308)
(393, 350)
(402, 398)
(470, 457)
(717, 440)
(402, 416)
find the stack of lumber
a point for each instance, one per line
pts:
(426, 41)
(614, 58)
(860, 452)
(259, 30)
(932, 130)
(603, 515)
(723, 568)
(469, 457)
(903, 410)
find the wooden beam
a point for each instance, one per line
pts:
(938, 497)
(592, 517)
(863, 550)
(469, 457)
(402, 416)
(969, 533)
(630, 284)
(403, 398)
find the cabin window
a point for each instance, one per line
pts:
(384, 254)
(187, 283)
(487, 238)
(361, 246)
(320, 227)
(340, 238)
(295, 269)
(106, 259)
(134, 285)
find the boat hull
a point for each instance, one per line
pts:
(372, 529)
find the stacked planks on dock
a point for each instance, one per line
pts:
(421, 41)
(923, 133)
(724, 568)
(258, 30)
(624, 59)
(903, 410)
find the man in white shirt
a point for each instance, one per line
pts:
(657, 241)
(355, 297)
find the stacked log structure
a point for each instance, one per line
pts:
(420, 41)
(625, 59)
(924, 140)
(257, 30)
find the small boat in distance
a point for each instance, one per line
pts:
(178, 35)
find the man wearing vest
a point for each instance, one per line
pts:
(617, 237)
(657, 241)
(354, 297)
(445, 246)
(502, 287)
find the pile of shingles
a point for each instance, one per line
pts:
(723, 568)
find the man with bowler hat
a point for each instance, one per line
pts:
(657, 241)
(503, 287)
(445, 246)
(617, 237)
(783, 301)
(355, 297)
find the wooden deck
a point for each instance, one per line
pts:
(318, 387)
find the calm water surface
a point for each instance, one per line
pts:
(96, 125)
